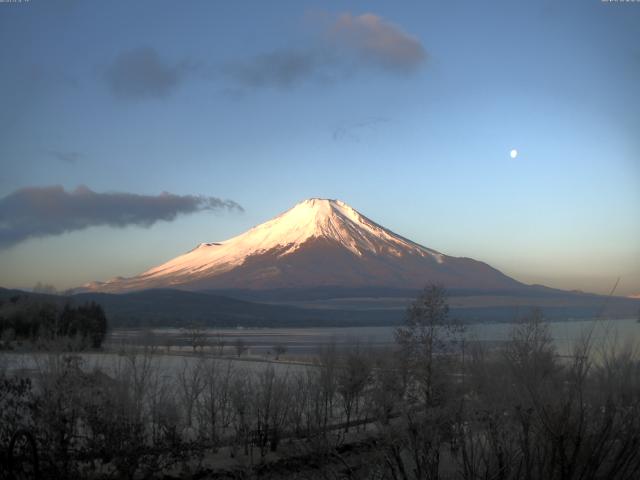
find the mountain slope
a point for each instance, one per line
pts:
(318, 242)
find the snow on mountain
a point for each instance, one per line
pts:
(318, 242)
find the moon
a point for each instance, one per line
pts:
(513, 153)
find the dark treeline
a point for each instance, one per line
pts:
(39, 322)
(175, 308)
(433, 407)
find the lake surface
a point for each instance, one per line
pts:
(306, 341)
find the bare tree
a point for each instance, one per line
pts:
(298, 407)
(215, 409)
(530, 351)
(412, 393)
(240, 346)
(534, 415)
(427, 331)
(241, 389)
(191, 380)
(279, 349)
(352, 380)
(270, 406)
(149, 339)
(326, 384)
(386, 397)
(197, 336)
(219, 343)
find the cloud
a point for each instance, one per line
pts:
(348, 43)
(281, 68)
(141, 74)
(44, 211)
(66, 157)
(356, 131)
(378, 42)
(340, 46)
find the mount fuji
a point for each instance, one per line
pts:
(317, 243)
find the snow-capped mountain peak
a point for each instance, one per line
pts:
(310, 219)
(317, 242)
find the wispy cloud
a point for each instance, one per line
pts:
(341, 46)
(141, 73)
(281, 68)
(44, 211)
(348, 43)
(354, 132)
(65, 157)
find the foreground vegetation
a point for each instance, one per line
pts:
(39, 323)
(433, 407)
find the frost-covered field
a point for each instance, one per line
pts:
(171, 352)
(161, 363)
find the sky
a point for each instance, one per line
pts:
(131, 131)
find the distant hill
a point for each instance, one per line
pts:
(360, 307)
(164, 307)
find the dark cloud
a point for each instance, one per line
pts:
(141, 73)
(43, 211)
(349, 43)
(344, 45)
(66, 157)
(282, 68)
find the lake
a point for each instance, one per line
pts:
(301, 343)
(305, 341)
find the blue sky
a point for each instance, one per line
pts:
(404, 110)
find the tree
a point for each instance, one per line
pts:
(219, 342)
(215, 409)
(270, 407)
(530, 352)
(44, 321)
(279, 349)
(240, 394)
(240, 346)
(427, 330)
(412, 443)
(389, 386)
(192, 384)
(85, 321)
(97, 330)
(353, 378)
(197, 336)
